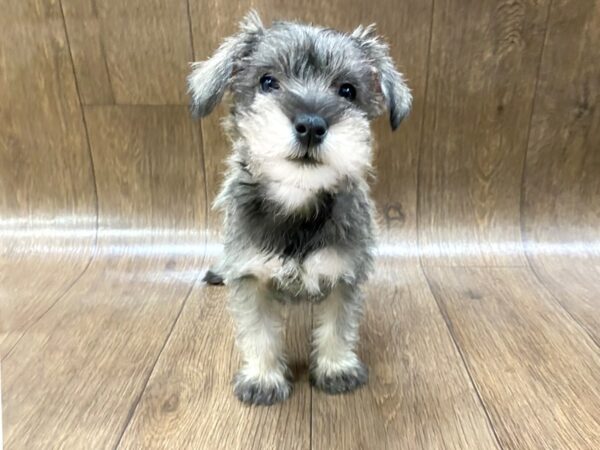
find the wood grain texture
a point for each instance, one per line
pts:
(134, 52)
(405, 25)
(42, 140)
(73, 378)
(561, 184)
(94, 344)
(216, 150)
(419, 394)
(86, 40)
(47, 198)
(131, 351)
(1, 408)
(25, 298)
(189, 401)
(149, 173)
(481, 84)
(537, 373)
(576, 286)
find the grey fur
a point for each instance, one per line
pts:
(396, 92)
(209, 79)
(321, 249)
(254, 393)
(342, 219)
(347, 321)
(317, 56)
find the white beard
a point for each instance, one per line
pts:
(344, 155)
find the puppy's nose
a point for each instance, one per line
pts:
(310, 129)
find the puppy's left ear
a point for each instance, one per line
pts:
(209, 79)
(395, 91)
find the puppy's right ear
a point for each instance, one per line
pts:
(209, 79)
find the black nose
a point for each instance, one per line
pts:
(310, 129)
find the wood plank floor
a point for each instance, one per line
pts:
(75, 376)
(535, 369)
(139, 354)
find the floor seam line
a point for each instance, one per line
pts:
(138, 399)
(146, 381)
(85, 127)
(562, 307)
(418, 179)
(465, 364)
(54, 303)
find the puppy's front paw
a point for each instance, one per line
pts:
(320, 293)
(255, 392)
(287, 280)
(342, 381)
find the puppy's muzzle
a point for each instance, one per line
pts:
(311, 129)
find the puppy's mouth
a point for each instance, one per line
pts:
(305, 160)
(306, 156)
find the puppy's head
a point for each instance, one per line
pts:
(303, 97)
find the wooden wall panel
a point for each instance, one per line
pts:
(562, 178)
(405, 25)
(47, 197)
(45, 169)
(483, 67)
(149, 172)
(561, 184)
(89, 54)
(133, 52)
(216, 150)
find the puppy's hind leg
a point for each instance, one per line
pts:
(335, 367)
(264, 378)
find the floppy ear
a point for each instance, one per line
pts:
(209, 79)
(397, 94)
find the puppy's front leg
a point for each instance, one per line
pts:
(264, 377)
(335, 367)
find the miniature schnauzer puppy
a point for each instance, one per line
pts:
(298, 216)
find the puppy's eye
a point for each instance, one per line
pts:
(347, 91)
(268, 83)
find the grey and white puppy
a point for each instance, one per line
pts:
(298, 216)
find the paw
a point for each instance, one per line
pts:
(316, 297)
(254, 392)
(320, 294)
(287, 279)
(342, 381)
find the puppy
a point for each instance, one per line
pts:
(298, 216)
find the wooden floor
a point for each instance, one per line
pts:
(132, 351)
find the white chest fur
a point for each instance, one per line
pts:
(327, 265)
